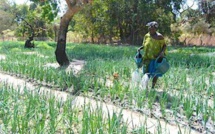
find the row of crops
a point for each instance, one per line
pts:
(185, 95)
(34, 113)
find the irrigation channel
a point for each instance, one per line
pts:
(132, 118)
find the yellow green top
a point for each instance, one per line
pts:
(152, 47)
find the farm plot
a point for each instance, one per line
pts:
(131, 120)
(184, 96)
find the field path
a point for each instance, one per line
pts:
(132, 118)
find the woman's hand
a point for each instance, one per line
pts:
(161, 54)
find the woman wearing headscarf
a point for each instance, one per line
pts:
(154, 47)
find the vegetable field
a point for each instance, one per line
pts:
(101, 76)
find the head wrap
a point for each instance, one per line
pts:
(152, 24)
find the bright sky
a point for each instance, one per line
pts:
(27, 1)
(190, 3)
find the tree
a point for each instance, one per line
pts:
(124, 20)
(73, 7)
(5, 20)
(208, 8)
(28, 43)
(32, 24)
(50, 11)
(6, 15)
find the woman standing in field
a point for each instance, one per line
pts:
(154, 47)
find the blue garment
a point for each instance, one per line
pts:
(152, 70)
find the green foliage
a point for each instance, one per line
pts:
(187, 99)
(43, 45)
(191, 59)
(110, 21)
(201, 27)
(7, 45)
(194, 22)
(122, 19)
(50, 9)
(33, 14)
(6, 16)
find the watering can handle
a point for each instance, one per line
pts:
(159, 57)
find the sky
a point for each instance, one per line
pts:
(190, 3)
(27, 1)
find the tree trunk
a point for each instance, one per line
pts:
(60, 52)
(73, 7)
(28, 43)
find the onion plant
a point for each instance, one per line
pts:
(189, 82)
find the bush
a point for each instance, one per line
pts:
(43, 45)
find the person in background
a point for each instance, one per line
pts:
(154, 47)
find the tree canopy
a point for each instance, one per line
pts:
(111, 21)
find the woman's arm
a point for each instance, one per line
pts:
(162, 53)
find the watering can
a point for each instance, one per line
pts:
(161, 67)
(138, 59)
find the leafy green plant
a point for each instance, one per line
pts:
(151, 98)
(163, 103)
(205, 112)
(188, 107)
(188, 82)
(114, 122)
